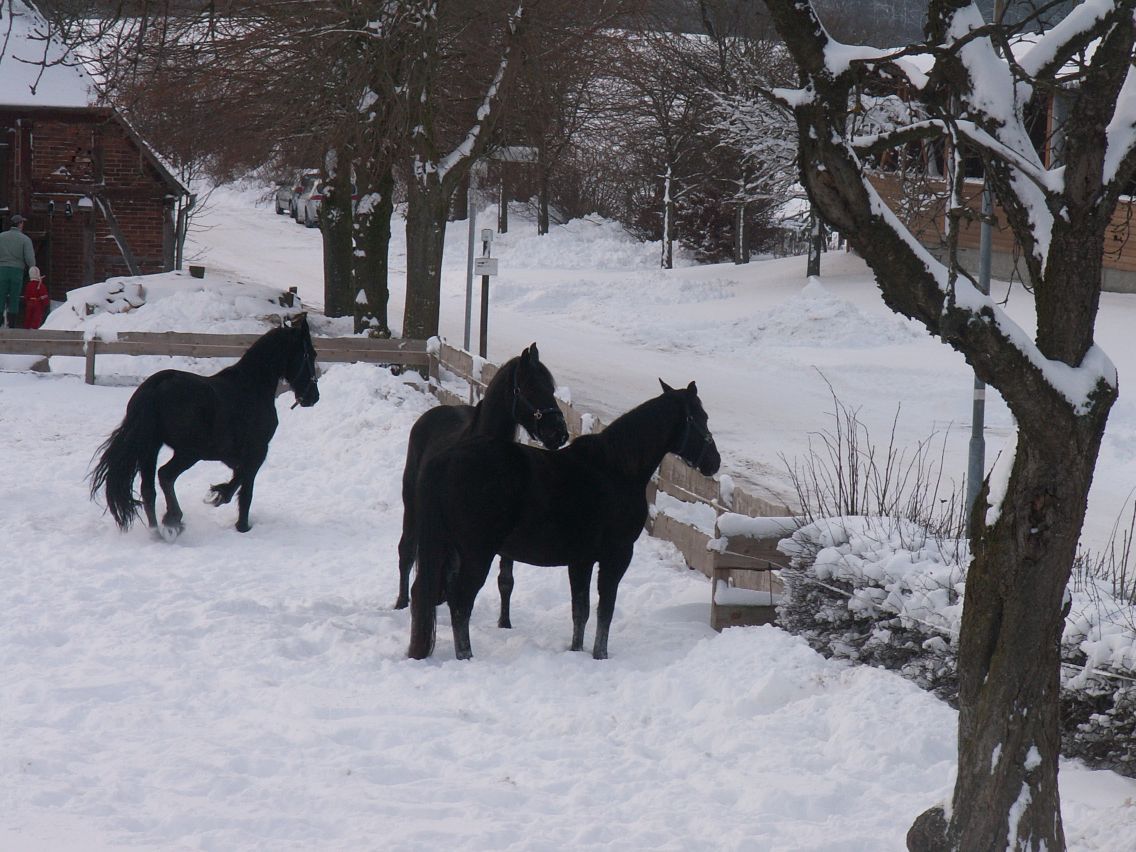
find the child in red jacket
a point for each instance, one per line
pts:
(36, 300)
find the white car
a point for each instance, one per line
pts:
(283, 197)
(308, 201)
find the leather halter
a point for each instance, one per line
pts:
(537, 413)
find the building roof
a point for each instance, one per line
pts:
(36, 68)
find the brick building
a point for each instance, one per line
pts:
(98, 201)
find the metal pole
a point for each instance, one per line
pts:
(471, 213)
(976, 465)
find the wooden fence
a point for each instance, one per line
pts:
(407, 353)
(738, 554)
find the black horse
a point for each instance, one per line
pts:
(584, 504)
(520, 394)
(229, 417)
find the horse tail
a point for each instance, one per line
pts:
(122, 454)
(434, 556)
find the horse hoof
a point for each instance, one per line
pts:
(401, 603)
(170, 532)
(214, 498)
(243, 527)
(504, 624)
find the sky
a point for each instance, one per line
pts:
(235, 692)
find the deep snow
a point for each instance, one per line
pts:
(239, 692)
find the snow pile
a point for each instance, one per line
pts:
(169, 301)
(885, 592)
(590, 243)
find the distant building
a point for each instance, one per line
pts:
(98, 200)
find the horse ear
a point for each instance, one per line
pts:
(692, 388)
(533, 354)
(666, 388)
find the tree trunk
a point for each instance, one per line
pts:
(667, 261)
(543, 200)
(816, 243)
(425, 240)
(372, 233)
(335, 224)
(741, 238)
(1009, 645)
(503, 205)
(459, 205)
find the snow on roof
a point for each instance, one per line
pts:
(36, 68)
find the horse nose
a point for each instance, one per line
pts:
(710, 462)
(561, 432)
(311, 397)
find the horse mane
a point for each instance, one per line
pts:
(268, 352)
(625, 440)
(494, 411)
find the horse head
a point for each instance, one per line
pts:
(694, 444)
(534, 401)
(300, 366)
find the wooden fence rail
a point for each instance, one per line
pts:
(741, 566)
(407, 353)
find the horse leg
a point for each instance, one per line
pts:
(171, 522)
(149, 470)
(580, 581)
(462, 587)
(505, 587)
(612, 570)
(221, 494)
(407, 551)
(247, 473)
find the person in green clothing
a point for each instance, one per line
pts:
(16, 255)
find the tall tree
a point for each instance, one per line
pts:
(975, 84)
(451, 112)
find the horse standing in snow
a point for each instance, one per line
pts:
(522, 393)
(582, 505)
(228, 417)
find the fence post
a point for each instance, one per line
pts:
(89, 347)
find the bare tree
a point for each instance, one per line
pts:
(975, 84)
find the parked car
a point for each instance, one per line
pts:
(304, 181)
(283, 197)
(311, 199)
(308, 201)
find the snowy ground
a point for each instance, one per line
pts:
(251, 692)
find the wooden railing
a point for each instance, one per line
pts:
(406, 353)
(744, 560)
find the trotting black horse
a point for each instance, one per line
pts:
(228, 417)
(522, 393)
(582, 505)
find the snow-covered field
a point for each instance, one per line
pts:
(237, 692)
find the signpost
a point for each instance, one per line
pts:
(508, 154)
(485, 266)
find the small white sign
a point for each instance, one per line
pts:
(485, 266)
